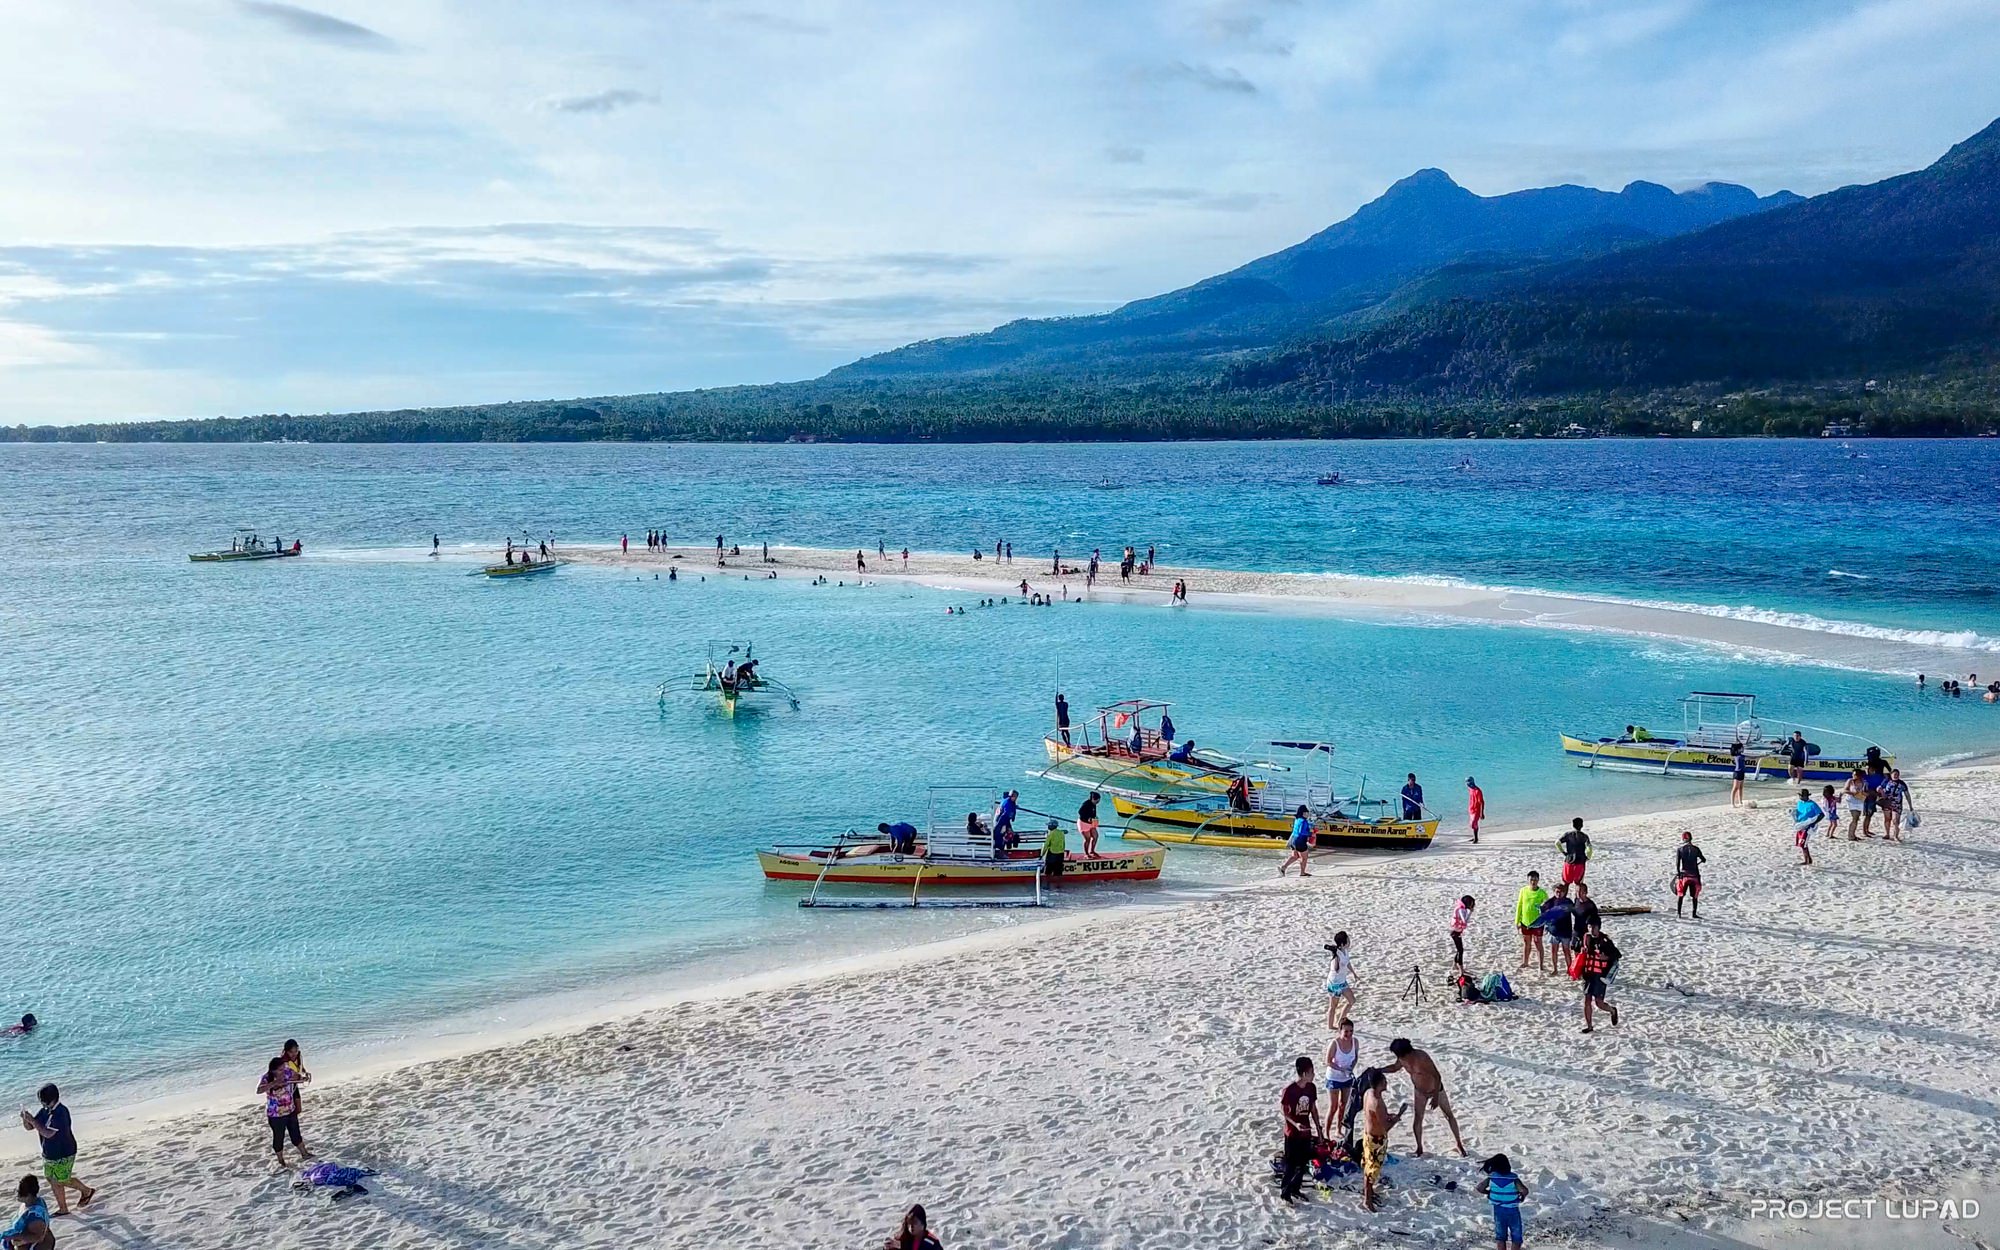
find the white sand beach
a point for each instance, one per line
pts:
(1111, 1080)
(1742, 630)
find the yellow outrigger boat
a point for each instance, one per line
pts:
(1712, 722)
(248, 546)
(1260, 817)
(1128, 748)
(949, 854)
(731, 674)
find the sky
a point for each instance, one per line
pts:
(223, 207)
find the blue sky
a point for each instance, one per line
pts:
(237, 206)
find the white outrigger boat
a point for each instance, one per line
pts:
(948, 853)
(1712, 722)
(1127, 748)
(731, 673)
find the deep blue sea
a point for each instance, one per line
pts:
(348, 797)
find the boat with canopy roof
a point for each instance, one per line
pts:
(1711, 723)
(1129, 748)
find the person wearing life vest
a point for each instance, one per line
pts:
(1594, 965)
(1505, 1191)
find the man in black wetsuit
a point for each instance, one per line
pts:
(1688, 860)
(1062, 717)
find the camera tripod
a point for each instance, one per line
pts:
(1414, 987)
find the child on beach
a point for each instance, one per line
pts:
(1461, 920)
(30, 1230)
(915, 1232)
(1505, 1191)
(1805, 814)
(1339, 982)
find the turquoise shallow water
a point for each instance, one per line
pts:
(344, 796)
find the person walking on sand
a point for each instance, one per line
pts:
(1300, 844)
(1829, 802)
(1688, 860)
(1341, 1054)
(1475, 805)
(1086, 824)
(1339, 982)
(1805, 814)
(1575, 847)
(1528, 919)
(1298, 1107)
(52, 1124)
(1505, 1191)
(1895, 793)
(1376, 1123)
(1426, 1088)
(1461, 920)
(1737, 767)
(1853, 799)
(1796, 751)
(1596, 962)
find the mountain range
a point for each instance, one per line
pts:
(1429, 310)
(1422, 223)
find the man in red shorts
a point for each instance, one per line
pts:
(1575, 851)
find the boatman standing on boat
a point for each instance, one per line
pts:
(1003, 821)
(1062, 717)
(1413, 799)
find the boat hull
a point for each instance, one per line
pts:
(1124, 771)
(225, 557)
(1668, 757)
(1189, 826)
(519, 570)
(903, 870)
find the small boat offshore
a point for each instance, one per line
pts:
(249, 546)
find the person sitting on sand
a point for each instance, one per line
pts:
(914, 1233)
(1375, 1133)
(30, 1229)
(1300, 843)
(1427, 1088)
(1596, 962)
(1505, 1191)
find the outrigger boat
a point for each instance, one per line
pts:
(520, 562)
(949, 855)
(248, 546)
(1121, 750)
(1254, 816)
(1712, 722)
(731, 673)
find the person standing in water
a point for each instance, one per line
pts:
(1300, 843)
(1475, 805)
(1339, 984)
(1688, 860)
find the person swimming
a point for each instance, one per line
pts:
(26, 1026)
